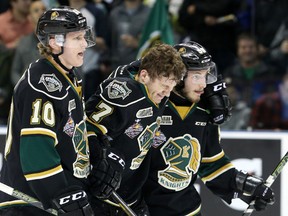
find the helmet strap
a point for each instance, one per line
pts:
(57, 60)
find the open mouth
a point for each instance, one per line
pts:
(199, 92)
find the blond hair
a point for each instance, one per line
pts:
(44, 50)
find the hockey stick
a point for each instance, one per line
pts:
(270, 180)
(123, 204)
(20, 195)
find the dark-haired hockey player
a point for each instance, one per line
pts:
(187, 145)
(46, 152)
(125, 110)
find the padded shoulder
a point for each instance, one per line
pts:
(45, 78)
(121, 91)
(126, 70)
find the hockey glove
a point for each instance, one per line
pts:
(72, 201)
(106, 174)
(254, 188)
(217, 101)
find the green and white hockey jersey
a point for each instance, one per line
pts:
(46, 148)
(123, 110)
(187, 146)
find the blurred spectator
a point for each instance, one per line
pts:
(240, 111)
(213, 24)
(27, 51)
(279, 47)
(102, 72)
(126, 23)
(50, 3)
(108, 4)
(4, 107)
(271, 110)
(244, 15)
(14, 25)
(250, 74)
(267, 17)
(4, 5)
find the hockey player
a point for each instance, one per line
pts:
(187, 145)
(46, 152)
(126, 110)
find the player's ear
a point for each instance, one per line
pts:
(143, 76)
(53, 44)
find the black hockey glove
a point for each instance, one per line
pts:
(106, 174)
(254, 188)
(72, 201)
(217, 101)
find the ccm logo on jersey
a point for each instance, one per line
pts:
(117, 158)
(219, 86)
(72, 197)
(200, 123)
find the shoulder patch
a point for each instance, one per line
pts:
(51, 82)
(121, 92)
(118, 89)
(44, 78)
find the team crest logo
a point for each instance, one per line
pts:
(183, 156)
(134, 129)
(145, 141)
(69, 126)
(51, 82)
(81, 165)
(117, 89)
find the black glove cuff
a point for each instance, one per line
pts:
(240, 180)
(251, 184)
(246, 183)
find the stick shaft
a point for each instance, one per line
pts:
(114, 194)
(20, 195)
(123, 204)
(270, 180)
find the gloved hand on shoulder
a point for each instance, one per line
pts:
(217, 101)
(108, 166)
(254, 188)
(72, 201)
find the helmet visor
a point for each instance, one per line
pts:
(210, 77)
(74, 39)
(212, 74)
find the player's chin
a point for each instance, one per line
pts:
(78, 63)
(195, 98)
(157, 99)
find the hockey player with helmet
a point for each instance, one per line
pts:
(188, 145)
(123, 117)
(46, 152)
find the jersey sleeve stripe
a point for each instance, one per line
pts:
(44, 174)
(195, 212)
(39, 131)
(213, 158)
(217, 173)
